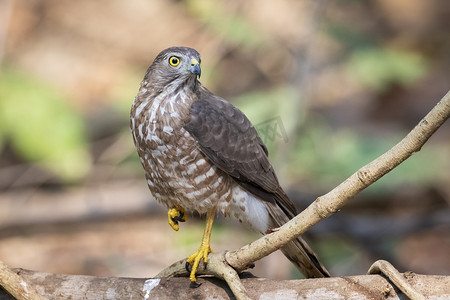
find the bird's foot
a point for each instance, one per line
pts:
(176, 215)
(194, 261)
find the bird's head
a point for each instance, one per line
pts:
(175, 67)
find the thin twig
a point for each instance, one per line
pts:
(227, 273)
(384, 267)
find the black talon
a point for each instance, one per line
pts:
(194, 285)
(187, 266)
(251, 266)
(177, 219)
(182, 219)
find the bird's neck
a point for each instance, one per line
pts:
(169, 105)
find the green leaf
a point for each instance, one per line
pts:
(41, 127)
(377, 68)
(326, 156)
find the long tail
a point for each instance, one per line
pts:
(298, 251)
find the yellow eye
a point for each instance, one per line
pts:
(174, 61)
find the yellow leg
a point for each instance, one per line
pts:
(204, 250)
(176, 215)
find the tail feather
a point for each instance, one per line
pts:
(304, 259)
(298, 251)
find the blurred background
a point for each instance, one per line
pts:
(330, 85)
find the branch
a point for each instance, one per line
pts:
(77, 287)
(331, 202)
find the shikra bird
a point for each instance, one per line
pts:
(201, 153)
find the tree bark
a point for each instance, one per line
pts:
(57, 286)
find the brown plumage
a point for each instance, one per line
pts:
(201, 153)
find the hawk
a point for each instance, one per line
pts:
(201, 153)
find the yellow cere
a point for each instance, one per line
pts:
(194, 62)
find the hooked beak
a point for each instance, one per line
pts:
(195, 68)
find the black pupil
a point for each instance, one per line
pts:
(174, 61)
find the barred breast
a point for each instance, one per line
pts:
(177, 172)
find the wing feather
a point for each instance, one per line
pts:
(229, 140)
